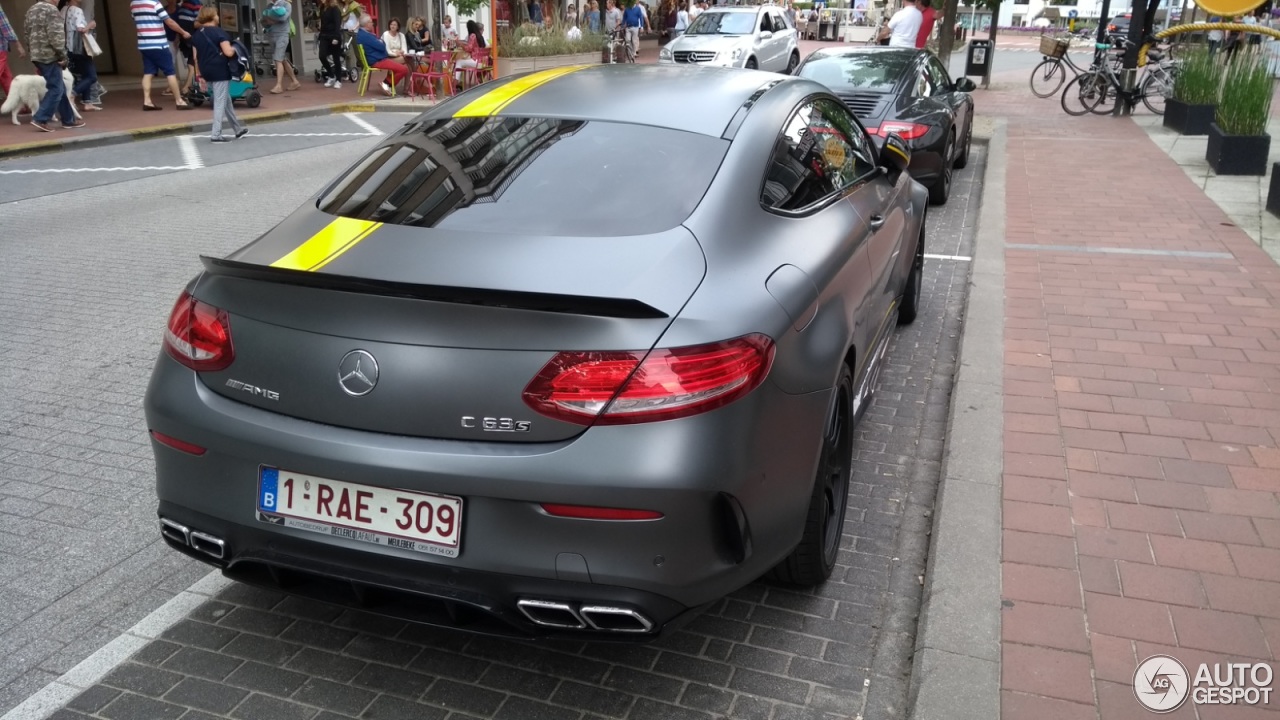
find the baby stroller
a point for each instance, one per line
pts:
(245, 87)
(346, 69)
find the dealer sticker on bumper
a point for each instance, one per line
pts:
(421, 522)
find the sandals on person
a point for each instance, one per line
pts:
(296, 86)
(149, 108)
(184, 106)
(276, 91)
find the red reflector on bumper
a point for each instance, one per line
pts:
(177, 444)
(598, 513)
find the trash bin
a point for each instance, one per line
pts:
(979, 57)
(828, 30)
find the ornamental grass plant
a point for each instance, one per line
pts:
(1198, 79)
(529, 40)
(1245, 102)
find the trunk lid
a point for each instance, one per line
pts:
(435, 333)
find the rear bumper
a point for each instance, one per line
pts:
(732, 484)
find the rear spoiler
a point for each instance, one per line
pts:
(514, 299)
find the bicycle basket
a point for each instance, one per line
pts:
(1053, 47)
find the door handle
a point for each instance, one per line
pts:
(877, 221)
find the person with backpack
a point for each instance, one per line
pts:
(214, 56)
(277, 20)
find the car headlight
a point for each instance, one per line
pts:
(664, 54)
(737, 53)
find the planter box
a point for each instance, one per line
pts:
(1273, 194)
(511, 66)
(1237, 154)
(1188, 119)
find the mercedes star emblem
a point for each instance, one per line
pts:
(357, 373)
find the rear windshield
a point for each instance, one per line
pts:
(878, 71)
(534, 176)
(723, 23)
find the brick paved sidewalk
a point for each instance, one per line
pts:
(1141, 420)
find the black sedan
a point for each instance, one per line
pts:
(907, 92)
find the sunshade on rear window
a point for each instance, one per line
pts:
(878, 71)
(532, 176)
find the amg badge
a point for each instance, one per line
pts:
(253, 389)
(492, 424)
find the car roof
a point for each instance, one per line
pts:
(753, 9)
(693, 99)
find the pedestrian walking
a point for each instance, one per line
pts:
(188, 11)
(151, 20)
(1215, 37)
(634, 20)
(277, 20)
(571, 16)
(612, 16)
(682, 21)
(329, 40)
(47, 43)
(211, 46)
(83, 68)
(8, 39)
(593, 16)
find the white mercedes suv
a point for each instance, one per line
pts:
(743, 37)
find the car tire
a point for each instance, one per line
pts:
(814, 558)
(963, 158)
(793, 63)
(910, 306)
(751, 64)
(940, 190)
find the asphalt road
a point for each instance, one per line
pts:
(96, 245)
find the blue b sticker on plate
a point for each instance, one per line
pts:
(267, 488)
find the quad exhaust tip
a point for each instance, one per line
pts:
(603, 618)
(202, 542)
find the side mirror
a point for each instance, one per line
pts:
(766, 34)
(965, 85)
(895, 156)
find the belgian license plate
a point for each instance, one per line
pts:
(421, 522)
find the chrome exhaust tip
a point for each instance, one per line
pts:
(615, 619)
(551, 614)
(176, 532)
(208, 544)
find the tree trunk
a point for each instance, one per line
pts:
(947, 33)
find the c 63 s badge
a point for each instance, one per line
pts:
(496, 424)
(253, 389)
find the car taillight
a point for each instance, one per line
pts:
(619, 388)
(905, 130)
(199, 335)
(586, 512)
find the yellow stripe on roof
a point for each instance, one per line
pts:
(494, 101)
(325, 246)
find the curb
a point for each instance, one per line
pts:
(119, 137)
(956, 674)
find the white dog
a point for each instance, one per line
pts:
(29, 90)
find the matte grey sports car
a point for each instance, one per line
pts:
(548, 359)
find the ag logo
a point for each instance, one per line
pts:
(1161, 683)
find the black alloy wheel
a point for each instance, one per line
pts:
(793, 63)
(963, 158)
(751, 63)
(915, 281)
(940, 190)
(814, 558)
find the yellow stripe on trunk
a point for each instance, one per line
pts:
(325, 246)
(494, 101)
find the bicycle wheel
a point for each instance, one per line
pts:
(1047, 77)
(1102, 97)
(1077, 92)
(1155, 90)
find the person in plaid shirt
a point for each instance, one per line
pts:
(8, 38)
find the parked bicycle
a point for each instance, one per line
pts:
(1047, 77)
(1101, 86)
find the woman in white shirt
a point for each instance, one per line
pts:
(682, 22)
(394, 39)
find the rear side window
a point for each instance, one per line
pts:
(820, 153)
(533, 176)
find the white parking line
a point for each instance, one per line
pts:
(190, 155)
(333, 134)
(373, 130)
(958, 258)
(53, 696)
